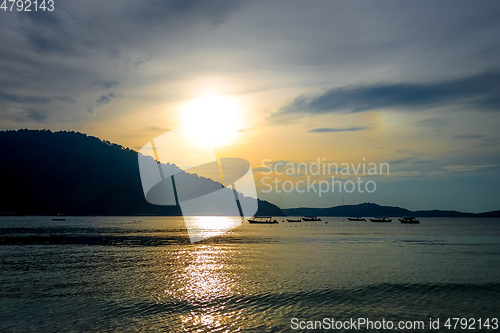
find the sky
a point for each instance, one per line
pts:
(415, 85)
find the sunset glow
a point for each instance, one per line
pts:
(213, 120)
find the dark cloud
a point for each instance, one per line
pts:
(104, 99)
(335, 130)
(22, 99)
(22, 108)
(74, 29)
(85, 48)
(48, 31)
(161, 11)
(7, 99)
(44, 43)
(480, 91)
(37, 116)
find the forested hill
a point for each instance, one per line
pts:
(70, 173)
(372, 209)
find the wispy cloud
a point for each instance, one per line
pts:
(106, 84)
(479, 91)
(336, 130)
(37, 116)
(23, 99)
(56, 33)
(466, 168)
(34, 108)
(469, 136)
(156, 129)
(489, 142)
(29, 115)
(101, 101)
(435, 123)
(84, 49)
(105, 99)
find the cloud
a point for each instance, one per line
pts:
(21, 108)
(335, 130)
(37, 116)
(398, 161)
(47, 32)
(104, 99)
(469, 136)
(435, 123)
(101, 101)
(160, 11)
(479, 91)
(22, 99)
(156, 129)
(271, 164)
(467, 168)
(85, 48)
(106, 84)
(74, 29)
(489, 142)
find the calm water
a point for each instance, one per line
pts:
(129, 274)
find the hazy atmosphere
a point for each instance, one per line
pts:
(412, 84)
(249, 166)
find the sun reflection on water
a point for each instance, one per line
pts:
(206, 279)
(201, 227)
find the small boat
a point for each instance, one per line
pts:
(311, 218)
(408, 219)
(262, 220)
(289, 220)
(59, 219)
(356, 218)
(381, 219)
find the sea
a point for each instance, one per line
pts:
(142, 274)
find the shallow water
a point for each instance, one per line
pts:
(142, 274)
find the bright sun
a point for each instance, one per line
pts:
(212, 120)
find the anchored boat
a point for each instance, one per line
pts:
(311, 218)
(262, 220)
(381, 219)
(408, 219)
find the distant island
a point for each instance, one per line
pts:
(69, 173)
(372, 209)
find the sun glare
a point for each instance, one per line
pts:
(212, 120)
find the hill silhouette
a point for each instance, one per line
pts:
(373, 209)
(70, 173)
